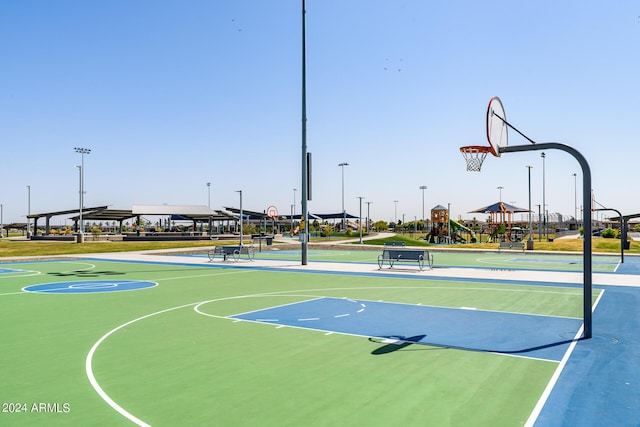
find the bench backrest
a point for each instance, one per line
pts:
(228, 250)
(394, 244)
(511, 244)
(409, 254)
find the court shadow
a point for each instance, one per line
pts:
(398, 344)
(87, 273)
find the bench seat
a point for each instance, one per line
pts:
(511, 246)
(394, 255)
(225, 252)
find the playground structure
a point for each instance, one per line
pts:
(447, 230)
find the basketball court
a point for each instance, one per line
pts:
(126, 339)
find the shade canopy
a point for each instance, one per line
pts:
(500, 207)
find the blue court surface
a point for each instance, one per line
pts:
(89, 286)
(543, 337)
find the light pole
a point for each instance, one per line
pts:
(79, 201)
(575, 201)
(209, 194)
(360, 219)
(241, 216)
(368, 217)
(544, 203)
(530, 240)
(500, 189)
(293, 209)
(28, 211)
(396, 214)
(423, 187)
(449, 222)
(344, 213)
(1, 221)
(82, 152)
(539, 224)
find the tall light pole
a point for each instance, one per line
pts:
(423, 187)
(449, 222)
(82, 152)
(294, 204)
(500, 189)
(209, 194)
(79, 201)
(396, 213)
(28, 211)
(241, 216)
(360, 219)
(544, 203)
(1, 221)
(344, 213)
(368, 217)
(530, 240)
(575, 201)
(304, 189)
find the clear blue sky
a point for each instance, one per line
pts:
(172, 95)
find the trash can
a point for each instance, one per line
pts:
(269, 241)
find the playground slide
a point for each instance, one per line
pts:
(455, 225)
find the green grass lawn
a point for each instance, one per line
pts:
(13, 248)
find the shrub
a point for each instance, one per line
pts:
(608, 233)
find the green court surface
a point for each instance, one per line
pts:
(85, 352)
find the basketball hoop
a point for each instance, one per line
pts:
(475, 155)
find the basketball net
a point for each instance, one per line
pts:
(474, 156)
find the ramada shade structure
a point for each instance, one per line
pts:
(501, 213)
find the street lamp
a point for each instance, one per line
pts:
(82, 152)
(575, 201)
(293, 207)
(79, 199)
(530, 241)
(396, 213)
(544, 203)
(368, 217)
(500, 188)
(344, 213)
(28, 211)
(423, 187)
(241, 216)
(209, 194)
(360, 219)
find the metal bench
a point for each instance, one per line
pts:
(394, 255)
(511, 246)
(231, 251)
(394, 244)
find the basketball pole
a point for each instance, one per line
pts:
(587, 227)
(304, 216)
